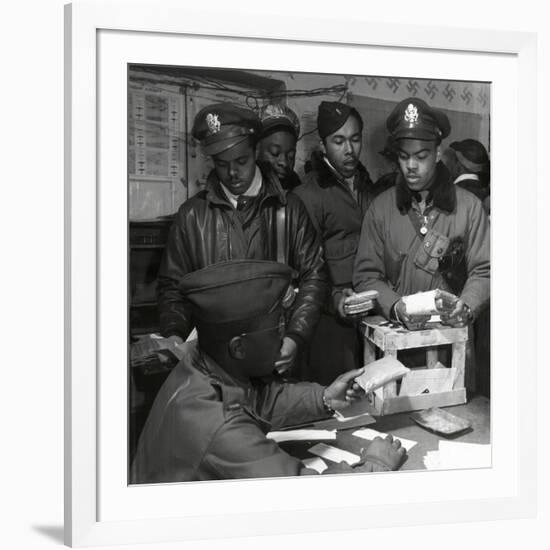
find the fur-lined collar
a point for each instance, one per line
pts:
(328, 177)
(442, 192)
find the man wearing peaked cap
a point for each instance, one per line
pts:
(424, 233)
(414, 119)
(210, 418)
(337, 192)
(277, 145)
(221, 126)
(235, 217)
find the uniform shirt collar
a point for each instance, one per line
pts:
(252, 191)
(463, 177)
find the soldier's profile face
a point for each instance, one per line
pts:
(343, 147)
(279, 150)
(417, 161)
(236, 167)
(262, 349)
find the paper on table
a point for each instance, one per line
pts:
(436, 380)
(370, 434)
(302, 435)
(452, 455)
(334, 454)
(464, 455)
(317, 464)
(432, 460)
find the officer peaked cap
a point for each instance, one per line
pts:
(221, 126)
(413, 118)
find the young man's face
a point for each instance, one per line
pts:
(236, 167)
(417, 160)
(279, 150)
(343, 147)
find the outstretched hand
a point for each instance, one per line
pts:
(344, 390)
(460, 316)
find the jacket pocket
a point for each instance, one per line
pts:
(433, 247)
(340, 257)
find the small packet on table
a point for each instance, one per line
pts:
(381, 372)
(440, 421)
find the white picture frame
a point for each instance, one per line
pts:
(87, 216)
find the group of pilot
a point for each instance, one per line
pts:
(260, 263)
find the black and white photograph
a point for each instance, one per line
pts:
(309, 273)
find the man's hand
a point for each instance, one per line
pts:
(344, 390)
(412, 322)
(174, 340)
(287, 355)
(460, 316)
(383, 455)
(339, 301)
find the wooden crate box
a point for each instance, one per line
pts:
(386, 339)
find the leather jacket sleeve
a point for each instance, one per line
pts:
(305, 256)
(174, 313)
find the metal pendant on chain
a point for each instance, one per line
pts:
(424, 226)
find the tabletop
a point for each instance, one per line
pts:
(476, 411)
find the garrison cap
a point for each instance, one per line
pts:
(223, 125)
(414, 119)
(472, 155)
(236, 292)
(332, 115)
(279, 116)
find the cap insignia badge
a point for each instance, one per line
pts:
(338, 111)
(411, 115)
(213, 123)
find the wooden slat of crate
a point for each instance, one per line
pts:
(418, 402)
(387, 338)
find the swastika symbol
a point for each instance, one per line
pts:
(449, 92)
(372, 82)
(413, 87)
(466, 96)
(482, 98)
(431, 89)
(393, 84)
